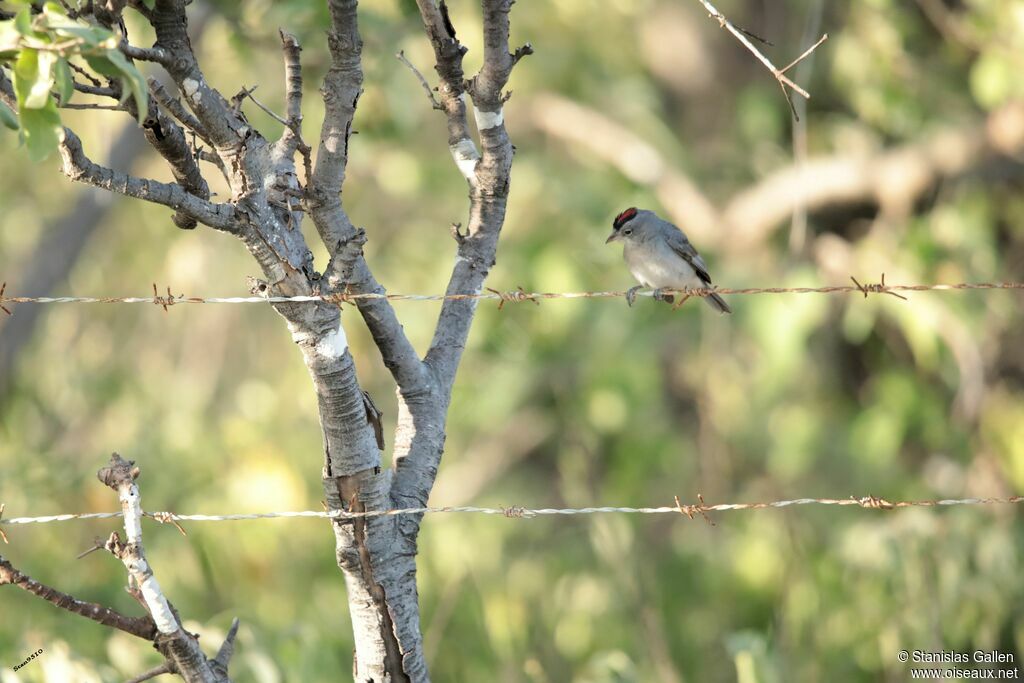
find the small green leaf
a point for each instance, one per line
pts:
(101, 65)
(64, 80)
(40, 129)
(25, 70)
(33, 77)
(132, 80)
(10, 40)
(7, 117)
(64, 26)
(23, 22)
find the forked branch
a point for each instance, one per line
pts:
(779, 74)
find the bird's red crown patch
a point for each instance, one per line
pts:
(623, 217)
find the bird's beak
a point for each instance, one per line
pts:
(612, 237)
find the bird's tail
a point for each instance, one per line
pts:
(718, 303)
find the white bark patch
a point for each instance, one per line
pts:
(488, 119)
(330, 346)
(466, 158)
(191, 87)
(333, 344)
(131, 507)
(157, 603)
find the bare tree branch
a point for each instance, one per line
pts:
(177, 110)
(423, 81)
(165, 668)
(343, 84)
(348, 271)
(179, 646)
(141, 627)
(448, 53)
(291, 138)
(352, 275)
(227, 649)
(168, 140)
(490, 189)
(151, 54)
(78, 167)
(779, 74)
(226, 127)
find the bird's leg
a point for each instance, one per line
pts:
(686, 295)
(631, 294)
(660, 295)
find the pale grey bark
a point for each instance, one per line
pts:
(268, 198)
(181, 648)
(161, 626)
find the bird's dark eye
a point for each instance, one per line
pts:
(627, 231)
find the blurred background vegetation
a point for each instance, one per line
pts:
(572, 403)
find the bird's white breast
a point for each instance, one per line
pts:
(660, 267)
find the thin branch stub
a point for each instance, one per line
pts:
(423, 81)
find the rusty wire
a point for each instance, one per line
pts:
(514, 296)
(518, 512)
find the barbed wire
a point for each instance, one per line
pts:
(515, 296)
(518, 512)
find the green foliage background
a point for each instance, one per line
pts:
(572, 403)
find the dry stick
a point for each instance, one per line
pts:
(780, 74)
(141, 627)
(120, 475)
(165, 668)
(423, 81)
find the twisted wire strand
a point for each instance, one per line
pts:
(513, 296)
(867, 502)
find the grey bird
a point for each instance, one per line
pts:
(659, 256)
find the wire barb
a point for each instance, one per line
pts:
(345, 296)
(516, 512)
(876, 288)
(165, 301)
(3, 286)
(688, 510)
(874, 503)
(166, 518)
(517, 296)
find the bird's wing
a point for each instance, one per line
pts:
(679, 244)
